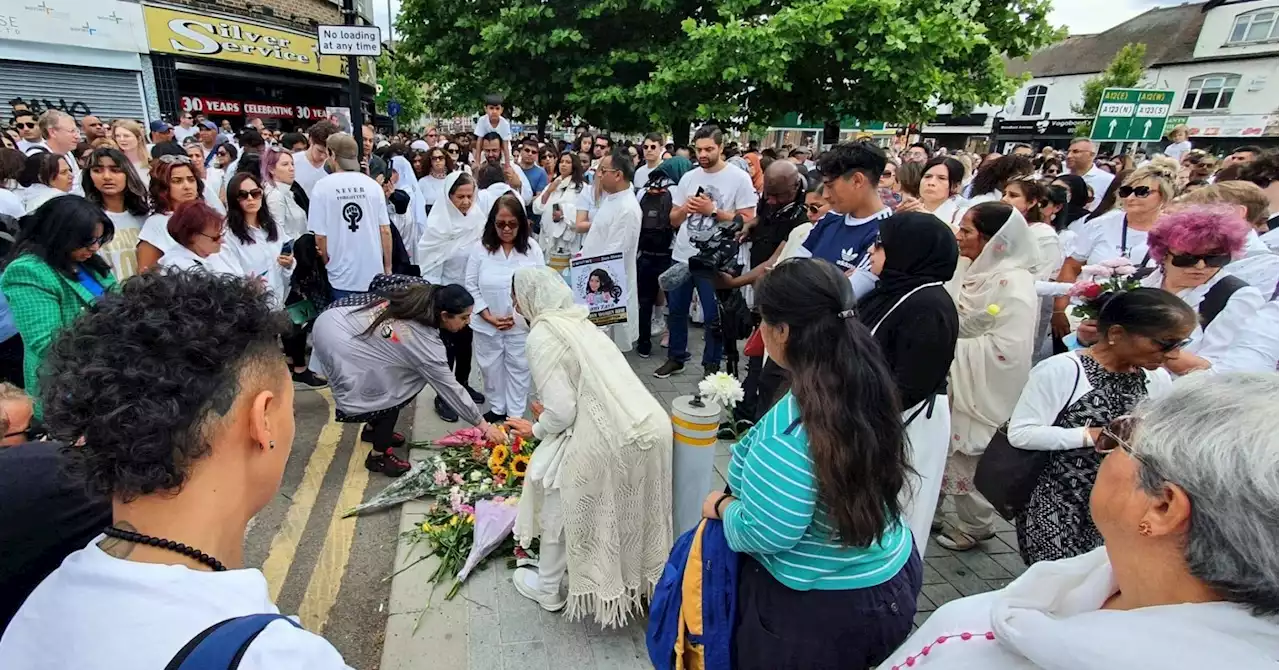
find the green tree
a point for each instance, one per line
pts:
(399, 87)
(1124, 71)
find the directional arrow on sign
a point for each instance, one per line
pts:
(1112, 130)
(1146, 128)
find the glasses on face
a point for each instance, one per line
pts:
(452, 152)
(509, 225)
(99, 241)
(437, 157)
(175, 160)
(216, 238)
(602, 146)
(1135, 191)
(24, 124)
(813, 209)
(651, 147)
(1167, 346)
(249, 194)
(887, 173)
(1190, 260)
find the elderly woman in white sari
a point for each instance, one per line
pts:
(598, 488)
(417, 220)
(995, 294)
(1186, 503)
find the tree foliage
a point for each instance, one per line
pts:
(1124, 71)
(401, 87)
(632, 65)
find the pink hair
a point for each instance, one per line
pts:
(270, 158)
(1200, 229)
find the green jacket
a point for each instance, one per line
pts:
(43, 301)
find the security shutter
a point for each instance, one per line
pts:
(107, 94)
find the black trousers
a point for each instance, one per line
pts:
(383, 430)
(781, 629)
(11, 358)
(648, 267)
(457, 350)
(774, 382)
(295, 345)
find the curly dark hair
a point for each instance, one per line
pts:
(142, 374)
(999, 172)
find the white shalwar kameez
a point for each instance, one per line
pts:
(500, 353)
(616, 228)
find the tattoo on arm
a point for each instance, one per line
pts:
(115, 547)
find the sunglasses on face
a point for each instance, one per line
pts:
(250, 194)
(96, 241)
(1190, 260)
(1136, 191)
(453, 152)
(513, 225)
(813, 209)
(24, 124)
(887, 173)
(1166, 346)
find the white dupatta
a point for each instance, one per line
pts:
(996, 298)
(448, 231)
(612, 468)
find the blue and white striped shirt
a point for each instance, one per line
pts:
(780, 522)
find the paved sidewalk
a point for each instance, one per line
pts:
(489, 626)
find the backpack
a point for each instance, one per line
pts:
(222, 645)
(656, 231)
(1216, 299)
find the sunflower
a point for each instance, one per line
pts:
(498, 459)
(519, 465)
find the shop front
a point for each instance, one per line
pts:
(1039, 133)
(56, 54)
(952, 132)
(1220, 134)
(235, 69)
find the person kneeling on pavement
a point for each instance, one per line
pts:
(181, 406)
(379, 349)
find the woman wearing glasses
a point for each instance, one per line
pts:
(44, 176)
(53, 272)
(255, 242)
(1070, 397)
(506, 244)
(199, 232)
(173, 181)
(454, 152)
(1192, 246)
(1185, 502)
(438, 166)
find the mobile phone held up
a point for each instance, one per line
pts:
(287, 248)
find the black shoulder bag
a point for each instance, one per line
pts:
(1006, 474)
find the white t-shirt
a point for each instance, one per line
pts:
(1176, 150)
(641, 178)
(305, 173)
(730, 189)
(348, 208)
(122, 251)
(155, 231)
(127, 615)
(1100, 240)
(483, 127)
(180, 133)
(11, 204)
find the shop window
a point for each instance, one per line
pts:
(1034, 105)
(1256, 26)
(1210, 92)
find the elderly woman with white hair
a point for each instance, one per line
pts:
(1186, 502)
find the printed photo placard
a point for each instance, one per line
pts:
(600, 284)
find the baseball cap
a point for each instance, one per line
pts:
(160, 127)
(343, 148)
(208, 125)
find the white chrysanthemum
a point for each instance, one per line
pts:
(722, 388)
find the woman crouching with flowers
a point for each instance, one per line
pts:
(598, 488)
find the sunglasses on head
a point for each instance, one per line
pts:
(249, 194)
(174, 160)
(1190, 260)
(1136, 191)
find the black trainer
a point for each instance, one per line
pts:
(366, 435)
(671, 367)
(309, 379)
(476, 396)
(387, 463)
(708, 370)
(445, 412)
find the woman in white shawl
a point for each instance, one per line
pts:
(598, 489)
(1186, 503)
(453, 230)
(995, 294)
(560, 235)
(407, 181)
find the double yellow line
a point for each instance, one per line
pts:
(326, 577)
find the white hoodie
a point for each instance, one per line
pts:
(1049, 618)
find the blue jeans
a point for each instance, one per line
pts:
(678, 302)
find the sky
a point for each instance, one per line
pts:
(1080, 16)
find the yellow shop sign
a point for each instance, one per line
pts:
(187, 34)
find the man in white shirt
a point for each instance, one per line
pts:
(706, 196)
(348, 215)
(652, 148)
(60, 137)
(616, 228)
(493, 151)
(309, 165)
(1080, 157)
(28, 130)
(208, 134)
(186, 128)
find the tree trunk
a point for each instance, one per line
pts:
(680, 133)
(542, 127)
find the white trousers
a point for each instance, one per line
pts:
(502, 360)
(929, 436)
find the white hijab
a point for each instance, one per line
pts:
(996, 298)
(448, 230)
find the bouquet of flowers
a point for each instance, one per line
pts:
(1098, 282)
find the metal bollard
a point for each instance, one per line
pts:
(693, 457)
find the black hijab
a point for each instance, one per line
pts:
(1078, 196)
(919, 249)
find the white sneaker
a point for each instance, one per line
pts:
(526, 582)
(657, 325)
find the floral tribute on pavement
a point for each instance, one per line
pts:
(475, 485)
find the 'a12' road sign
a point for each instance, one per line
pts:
(1131, 115)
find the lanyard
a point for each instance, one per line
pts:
(1124, 237)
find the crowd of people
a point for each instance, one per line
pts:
(903, 315)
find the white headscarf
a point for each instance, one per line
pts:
(448, 230)
(408, 182)
(996, 298)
